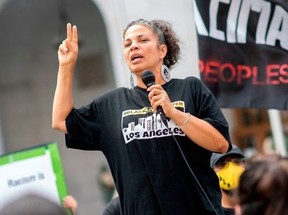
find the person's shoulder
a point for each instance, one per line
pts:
(191, 80)
(119, 90)
(187, 78)
(116, 92)
(112, 95)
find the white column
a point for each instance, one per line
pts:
(2, 4)
(115, 19)
(277, 131)
(1, 141)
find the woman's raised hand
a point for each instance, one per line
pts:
(68, 49)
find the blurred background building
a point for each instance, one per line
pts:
(30, 33)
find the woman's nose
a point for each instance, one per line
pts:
(134, 45)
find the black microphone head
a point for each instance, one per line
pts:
(148, 78)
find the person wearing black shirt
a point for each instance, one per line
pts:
(229, 167)
(160, 165)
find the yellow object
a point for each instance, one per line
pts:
(229, 176)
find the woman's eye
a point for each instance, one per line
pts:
(126, 45)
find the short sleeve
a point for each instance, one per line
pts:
(209, 110)
(83, 128)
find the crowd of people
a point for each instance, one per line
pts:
(247, 185)
(257, 185)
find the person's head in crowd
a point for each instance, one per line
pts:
(228, 167)
(263, 187)
(32, 204)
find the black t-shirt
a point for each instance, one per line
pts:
(149, 171)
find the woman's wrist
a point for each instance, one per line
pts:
(185, 121)
(180, 118)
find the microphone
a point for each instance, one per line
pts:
(148, 79)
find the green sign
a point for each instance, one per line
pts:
(36, 170)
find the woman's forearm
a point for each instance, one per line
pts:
(63, 98)
(201, 132)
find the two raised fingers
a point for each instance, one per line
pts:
(72, 34)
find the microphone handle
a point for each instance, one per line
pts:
(162, 115)
(160, 110)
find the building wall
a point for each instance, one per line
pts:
(28, 72)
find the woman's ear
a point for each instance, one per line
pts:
(163, 50)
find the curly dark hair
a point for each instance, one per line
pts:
(263, 187)
(166, 35)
